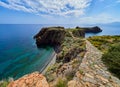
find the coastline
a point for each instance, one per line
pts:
(51, 61)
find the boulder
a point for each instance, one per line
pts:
(31, 80)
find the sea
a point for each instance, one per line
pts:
(19, 54)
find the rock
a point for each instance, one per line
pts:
(70, 55)
(50, 36)
(102, 79)
(30, 80)
(74, 84)
(95, 29)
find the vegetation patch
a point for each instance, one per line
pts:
(4, 83)
(103, 43)
(112, 60)
(110, 46)
(61, 83)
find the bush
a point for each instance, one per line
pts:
(4, 83)
(112, 60)
(110, 46)
(61, 83)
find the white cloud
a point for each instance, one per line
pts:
(50, 7)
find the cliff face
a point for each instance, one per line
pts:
(70, 55)
(31, 80)
(50, 36)
(95, 29)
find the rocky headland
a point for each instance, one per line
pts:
(50, 36)
(78, 62)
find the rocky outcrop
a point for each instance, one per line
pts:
(95, 29)
(30, 80)
(70, 55)
(50, 36)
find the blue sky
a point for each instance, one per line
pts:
(59, 11)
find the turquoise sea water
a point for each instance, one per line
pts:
(19, 54)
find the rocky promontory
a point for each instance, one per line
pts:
(50, 36)
(54, 36)
(95, 29)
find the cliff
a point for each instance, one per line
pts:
(30, 80)
(50, 36)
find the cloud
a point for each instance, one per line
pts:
(48, 7)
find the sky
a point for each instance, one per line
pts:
(59, 11)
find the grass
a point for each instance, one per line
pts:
(112, 60)
(49, 73)
(81, 71)
(4, 83)
(103, 43)
(70, 75)
(61, 83)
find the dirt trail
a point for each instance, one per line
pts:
(92, 72)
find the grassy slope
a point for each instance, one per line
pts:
(70, 42)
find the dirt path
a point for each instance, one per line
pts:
(92, 72)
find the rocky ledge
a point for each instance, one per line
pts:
(30, 80)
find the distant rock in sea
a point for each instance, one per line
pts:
(95, 29)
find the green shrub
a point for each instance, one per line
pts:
(70, 75)
(61, 83)
(112, 60)
(4, 83)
